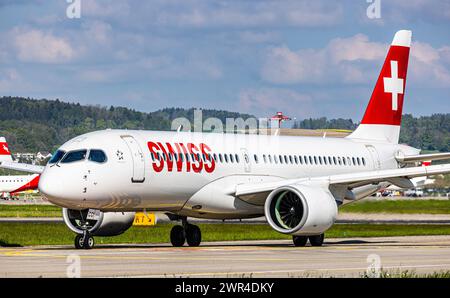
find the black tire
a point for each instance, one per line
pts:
(193, 235)
(177, 236)
(89, 242)
(299, 241)
(316, 240)
(79, 241)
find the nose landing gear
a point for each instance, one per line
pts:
(185, 233)
(85, 240)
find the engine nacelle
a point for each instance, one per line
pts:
(104, 224)
(301, 210)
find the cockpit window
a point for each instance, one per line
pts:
(97, 156)
(57, 156)
(74, 156)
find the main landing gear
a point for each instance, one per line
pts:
(185, 233)
(315, 240)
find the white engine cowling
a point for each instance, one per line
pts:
(104, 224)
(301, 210)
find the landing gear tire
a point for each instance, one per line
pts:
(88, 242)
(316, 240)
(193, 235)
(80, 242)
(299, 241)
(177, 236)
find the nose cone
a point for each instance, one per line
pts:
(59, 190)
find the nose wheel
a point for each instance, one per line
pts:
(84, 241)
(185, 233)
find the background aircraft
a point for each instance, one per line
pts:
(14, 184)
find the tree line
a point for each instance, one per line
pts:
(32, 125)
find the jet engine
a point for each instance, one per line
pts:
(301, 210)
(98, 223)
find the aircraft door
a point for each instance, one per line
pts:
(138, 159)
(375, 156)
(246, 159)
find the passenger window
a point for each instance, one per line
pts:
(237, 158)
(97, 156)
(231, 158)
(363, 161)
(74, 156)
(343, 161)
(281, 159)
(226, 158)
(358, 161)
(295, 159)
(275, 159)
(300, 159)
(270, 158)
(256, 158)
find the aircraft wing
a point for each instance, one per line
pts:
(23, 167)
(394, 176)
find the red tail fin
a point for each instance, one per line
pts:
(5, 154)
(384, 112)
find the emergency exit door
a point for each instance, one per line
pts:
(138, 160)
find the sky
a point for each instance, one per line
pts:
(305, 58)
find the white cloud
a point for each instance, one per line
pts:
(352, 60)
(209, 14)
(99, 32)
(260, 101)
(42, 47)
(8, 79)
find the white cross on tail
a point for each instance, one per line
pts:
(393, 85)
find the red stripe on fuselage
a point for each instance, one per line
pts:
(31, 185)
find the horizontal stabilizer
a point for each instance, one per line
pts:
(422, 157)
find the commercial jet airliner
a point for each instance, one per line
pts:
(298, 183)
(14, 184)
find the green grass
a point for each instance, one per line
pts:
(26, 234)
(30, 211)
(399, 206)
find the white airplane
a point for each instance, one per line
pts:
(298, 183)
(15, 183)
